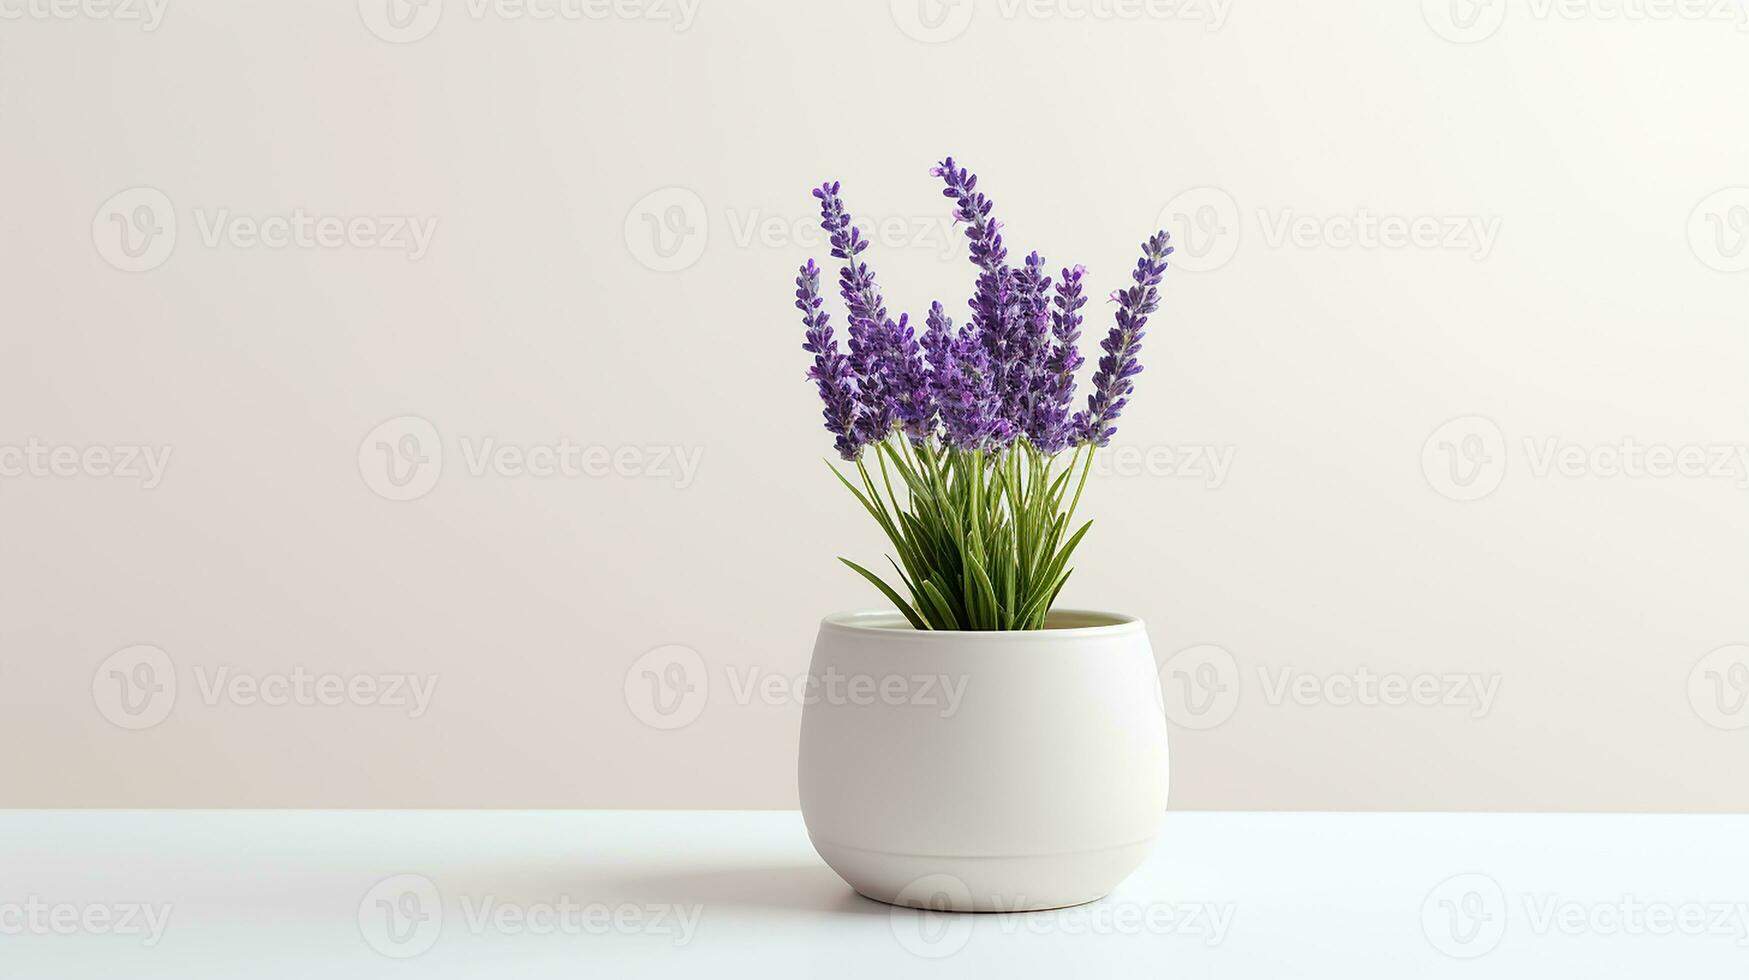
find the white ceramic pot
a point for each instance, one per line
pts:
(983, 771)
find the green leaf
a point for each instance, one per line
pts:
(897, 600)
(940, 604)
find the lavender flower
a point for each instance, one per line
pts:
(980, 517)
(1008, 372)
(874, 339)
(995, 302)
(907, 379)
(856, 282)
(1112, 383)
(970, 405)
(1031, 343)
(1050, 430)
(960, 385)
(831, 371)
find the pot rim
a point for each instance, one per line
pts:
(891, 624)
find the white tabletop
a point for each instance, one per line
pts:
(647, 894)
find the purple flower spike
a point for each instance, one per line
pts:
(1031, 340)
(907, 379)
(876, 408)
(960, 385)
(996, 300)
(831, 370)
(856, 282)
(1112, 383)
(985, 233)
(883, 354)
(1050, 429)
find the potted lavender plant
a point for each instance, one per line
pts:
(1036, 775)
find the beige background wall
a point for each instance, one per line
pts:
(1448, 405)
